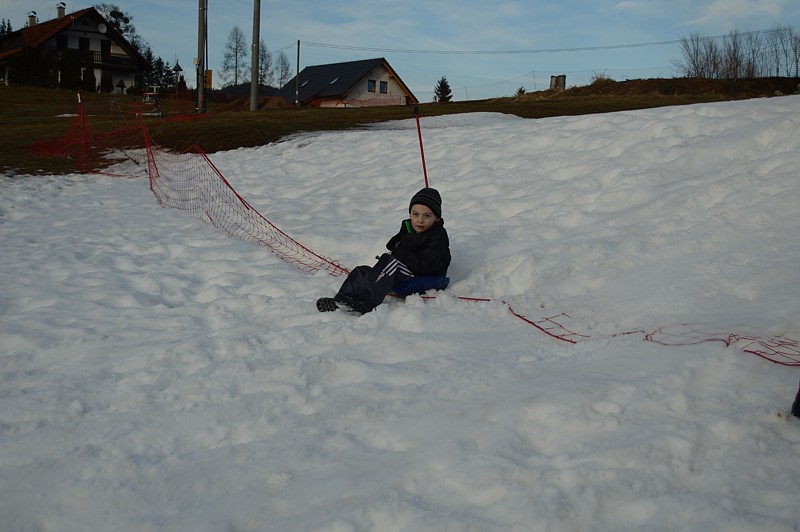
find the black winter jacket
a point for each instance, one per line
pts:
(427, 254)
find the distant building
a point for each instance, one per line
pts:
(79, 50)
(366, 83)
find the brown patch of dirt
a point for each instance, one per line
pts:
(264, 102)
(734, 89)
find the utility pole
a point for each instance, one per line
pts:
(297, 77)
(201, 57)
(254, 56)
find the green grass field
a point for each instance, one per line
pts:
(31, 114)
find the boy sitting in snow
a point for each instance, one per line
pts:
(420, 249)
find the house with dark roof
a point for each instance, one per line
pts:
(76, 50)
(364, 83)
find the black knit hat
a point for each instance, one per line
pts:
(430, 198)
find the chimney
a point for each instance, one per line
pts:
(31, 19)
(61, 9)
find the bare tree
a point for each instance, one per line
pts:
(732, 59)
(693, 57)
(121, 21)
(266, 72)
(785, 35)
(742, 55)
(773, 48)
(712, 67)
(752, 55)
(234, 64)
(283, 69)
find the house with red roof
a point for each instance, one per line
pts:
(365, 83)
(78, 50)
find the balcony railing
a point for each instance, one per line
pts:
(117, 60)
(105, 59)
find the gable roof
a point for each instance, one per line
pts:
(335, 80)
(37, 35)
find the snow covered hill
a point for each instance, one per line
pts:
(156, 374)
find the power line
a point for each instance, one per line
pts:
(526, 51)
(487, 52)
(286, 47)
(538, 51)
(534, 51)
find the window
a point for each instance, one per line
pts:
(384, 87)
(371, 85)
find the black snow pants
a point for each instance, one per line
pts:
(366, 286)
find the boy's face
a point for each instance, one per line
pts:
(422, 218)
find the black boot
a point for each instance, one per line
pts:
(330, 304)
(796, 405)
(327, 304)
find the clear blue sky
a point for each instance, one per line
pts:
(414, 35)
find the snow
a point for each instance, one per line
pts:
(158, 375)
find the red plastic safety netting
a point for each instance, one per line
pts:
(776, 348)
(85, 144)
(191, 183)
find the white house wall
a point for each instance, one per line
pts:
(91, 32)
(360, 96)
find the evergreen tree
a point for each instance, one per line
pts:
(32, 68)
(89, 82)
(144, 77)
(442, 92)
(5, 28)
(106, 82)
(161, 73)
(70, 67)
